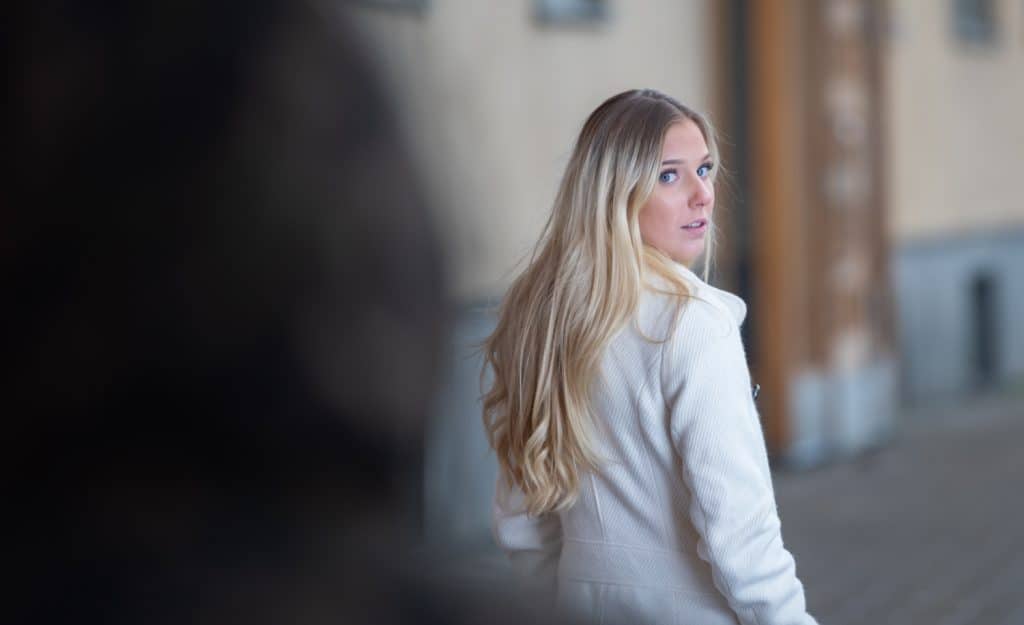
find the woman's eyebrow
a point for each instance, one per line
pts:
(681, 161)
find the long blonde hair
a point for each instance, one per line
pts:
(581, 286)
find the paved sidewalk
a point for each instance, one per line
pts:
(928, 530)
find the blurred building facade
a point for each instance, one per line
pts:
(955, 79)
(868, 219)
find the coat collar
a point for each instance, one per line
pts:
(733, 304)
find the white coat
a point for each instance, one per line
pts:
(680, 525)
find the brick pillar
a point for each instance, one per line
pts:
(821, 296)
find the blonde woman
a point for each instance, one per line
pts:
(634, 480)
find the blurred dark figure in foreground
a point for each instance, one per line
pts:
(223, 310)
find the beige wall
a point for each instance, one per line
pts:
(956, 122)
(492, 102)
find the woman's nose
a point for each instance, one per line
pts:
(702, 194)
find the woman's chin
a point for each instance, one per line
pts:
(688, 257)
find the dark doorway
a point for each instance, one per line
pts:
(984, 331)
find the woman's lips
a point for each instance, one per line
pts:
(696, 229)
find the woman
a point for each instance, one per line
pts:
(634, 478)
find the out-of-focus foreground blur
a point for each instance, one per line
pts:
(223, 313)
(870, 217)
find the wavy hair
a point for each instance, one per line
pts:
(582, 284)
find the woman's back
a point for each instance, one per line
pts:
(682, 449)
(629, 533)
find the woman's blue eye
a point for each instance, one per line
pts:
(704, 170)
(668, 176)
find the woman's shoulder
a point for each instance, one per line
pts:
(687, 304)
(700, 328)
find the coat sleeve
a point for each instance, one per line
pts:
(532, 543)
(717, 433)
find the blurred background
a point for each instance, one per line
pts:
(871, 217)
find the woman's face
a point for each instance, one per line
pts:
(676, 217)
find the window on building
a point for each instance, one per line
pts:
(570, 11)
(974, 21)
